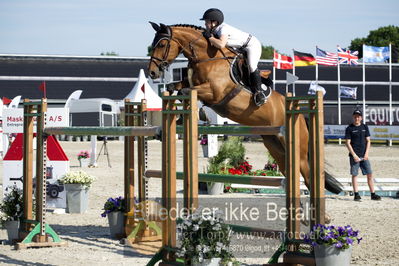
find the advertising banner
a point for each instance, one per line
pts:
(376, 132)
(13, 119)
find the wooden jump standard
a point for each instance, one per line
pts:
(295, 106)
(36, 233)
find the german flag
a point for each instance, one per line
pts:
(303, 59)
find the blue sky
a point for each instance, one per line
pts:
(89, 27)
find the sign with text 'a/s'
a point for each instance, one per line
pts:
(13, 119)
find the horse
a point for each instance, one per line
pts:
(209, 75)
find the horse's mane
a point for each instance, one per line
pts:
(188, 26)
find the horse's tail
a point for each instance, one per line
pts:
(330, 183)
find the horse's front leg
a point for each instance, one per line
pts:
(177, 86)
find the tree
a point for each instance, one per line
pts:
(267, 52)
(379, 37)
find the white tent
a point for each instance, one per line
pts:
(143, 90)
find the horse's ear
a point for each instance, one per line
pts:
(165, 29)
(155, 26)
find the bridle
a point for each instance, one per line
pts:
(162, 63)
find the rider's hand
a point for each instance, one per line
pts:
(207, 34)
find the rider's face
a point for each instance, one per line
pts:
(209, 24)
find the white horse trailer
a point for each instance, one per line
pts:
(93, 112)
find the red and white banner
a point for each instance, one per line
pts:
(57, 166)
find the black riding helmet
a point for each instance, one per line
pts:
(213, 14)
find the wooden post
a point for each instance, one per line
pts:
(41, 158)
(28, 164)
(292, 167)
(316, 150)
(129, 160)
(190, 151)
(169, 178)
(141, 156)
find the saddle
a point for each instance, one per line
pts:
(239, 71)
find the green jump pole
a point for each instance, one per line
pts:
(102, 131)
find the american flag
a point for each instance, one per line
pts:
(345, 56)
(326, 58)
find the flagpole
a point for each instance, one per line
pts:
(390, 90)
(274, 77)
(317, 68)
(339, 94)
(364, 84)
(293, 72)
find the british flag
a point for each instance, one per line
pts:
(346, 56)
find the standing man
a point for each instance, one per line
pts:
(357, 137)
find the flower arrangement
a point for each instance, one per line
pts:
(11, 208)
(339, 237)
(114, 205)
(83, 155)
(78, 177)
(204, 235)
(204, 140)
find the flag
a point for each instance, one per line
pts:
(373, 54)
(143, 88)
(315, 87)
(346, 56)
(326, 58)
(282, 61)
(348, 92)
(6, 100)
(42, 87)
(303, 59)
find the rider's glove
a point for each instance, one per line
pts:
(207, 34)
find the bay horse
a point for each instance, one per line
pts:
(209, 75)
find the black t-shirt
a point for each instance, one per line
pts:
(357, 135)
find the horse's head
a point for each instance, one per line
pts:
(164, 50)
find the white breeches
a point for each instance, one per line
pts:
(254, 51)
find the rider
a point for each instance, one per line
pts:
(221, 35)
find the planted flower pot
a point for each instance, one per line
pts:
(12, 228)
(208, 262)
(84, 162)
(215, 188)
(77, 198)
(116, 221)
(331, 256)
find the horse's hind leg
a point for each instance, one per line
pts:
(275, 146)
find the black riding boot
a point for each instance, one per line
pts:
(256, 88)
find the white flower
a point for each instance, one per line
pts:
(217, 227)
(196, 227)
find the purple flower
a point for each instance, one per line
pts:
(338, 245)
(339, 236)
(113, 205)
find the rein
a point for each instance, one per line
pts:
(162, 63)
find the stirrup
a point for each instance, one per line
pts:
(259, 98)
